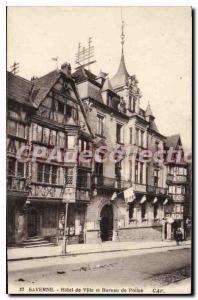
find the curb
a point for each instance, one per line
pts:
(97, 252)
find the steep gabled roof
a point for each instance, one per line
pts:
(173, 141)
(42, 86)
(107, 86)
(19, 89)
(121, 76)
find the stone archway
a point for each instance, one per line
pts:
(106, 223)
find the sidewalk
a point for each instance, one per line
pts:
(14, 254)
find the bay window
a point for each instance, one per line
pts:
(47, 173)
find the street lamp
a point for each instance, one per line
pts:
(69, 197)
(64, 244)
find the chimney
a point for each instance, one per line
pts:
(66, 68)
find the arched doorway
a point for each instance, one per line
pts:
(106, 223)
(33, 222)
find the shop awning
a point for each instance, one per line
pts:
(155, 200)
(143, 199)
(129, 195)
(165, 201)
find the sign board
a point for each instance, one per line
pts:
(69, 195)
(170, 220)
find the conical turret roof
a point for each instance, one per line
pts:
(121, 76)
(149, 111)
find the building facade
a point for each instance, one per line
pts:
(67, 114)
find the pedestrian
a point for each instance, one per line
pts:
(178, 235)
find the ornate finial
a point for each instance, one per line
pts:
(122, 32)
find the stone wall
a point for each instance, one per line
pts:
(140, 233)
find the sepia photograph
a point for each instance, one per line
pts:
(99, 150)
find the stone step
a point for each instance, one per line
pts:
(38, 245)
(36, 242)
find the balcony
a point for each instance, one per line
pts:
(176, 179)
(16, 184)
(110, 183)
(177, 198)
(138, 187)
(161, 191)
(156, 190)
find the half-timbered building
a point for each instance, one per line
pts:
(62, 114)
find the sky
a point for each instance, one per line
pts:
(157, 50)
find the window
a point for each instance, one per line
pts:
(141, 138)
(12, 127)
(46, 173)
(61, 107)
(155, 211)
(177, 208)
(84, 145)
(100, 120)
(16, 128)
(46, 134)
(82, 179)
(11, 166)
(108, 99)
(39, 133)
(156, 146)
(131, 211)
(40, 172)
(141, 172)
(21, 130)
(68, 176)
(99, 169)
(53, 137)
(54, 174)
(70, 142)
(131, 135)
(118, 167)
(20, 169)
(136, 171)
(61, 139)
(118, 132)
(133, 105)
(143, 211)
(137, 136)
(130, 171)
(156, 178)
(68, 111)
